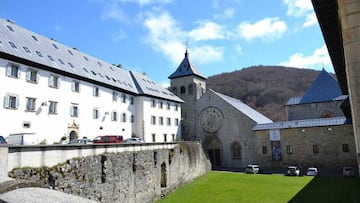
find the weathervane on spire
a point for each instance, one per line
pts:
(187, 46)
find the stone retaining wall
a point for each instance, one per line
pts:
(140, 176)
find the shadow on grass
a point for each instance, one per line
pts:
(329, 189)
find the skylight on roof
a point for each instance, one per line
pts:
(93, 72)
(61, 61)
(71, 65)
(27, 50)
(70, 53)
(12, 44)
(86, 58)
(111, 68)
(99, 63)
(34, 38)
(50, 57)
(10, 28)
(39, 53)
(54, 45)
(101, 75)
(85, 70)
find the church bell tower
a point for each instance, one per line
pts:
(189, 84)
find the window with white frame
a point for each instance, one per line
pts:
(30, 104)
(13, 70)
(96, 113)
(153, 103)
(11, 102)
(96, 91)
(123, 117)
(167, 105)
(114, 116)
(131, 100)
(132, 118)
(153, 135)
(53, 107)
(161, 120)
(161, 104)
(165, 137)
(32, 75)
(168, 121)
(173, 137)
(176, 122)
(74, 110)
(176, 107)
(75, 86)
(54, 81)
(153, 120)
(114, 96)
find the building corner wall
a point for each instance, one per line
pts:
(349, 15)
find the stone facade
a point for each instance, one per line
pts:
(328, 147)
(314, 110)
(141, 176)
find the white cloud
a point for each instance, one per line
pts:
(146, 2)
(113, 12)
(207, 31)
(166, 37)
(319, 59)
(239, 49)
(266, 29)
(229, 13)
(119, 35)
(301, 9)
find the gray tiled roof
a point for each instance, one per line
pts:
(186, 68)
(296, 100)
(25, 44)
(245, 109)
(301, 123)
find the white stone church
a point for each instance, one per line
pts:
(52, 91)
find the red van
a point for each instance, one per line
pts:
(109, 139)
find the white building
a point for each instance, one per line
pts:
(54, 91)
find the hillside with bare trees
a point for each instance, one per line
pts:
(264, 88)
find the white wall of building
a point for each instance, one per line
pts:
(51, 127)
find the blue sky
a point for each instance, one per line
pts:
(151, 35)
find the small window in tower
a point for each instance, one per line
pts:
(182, 90)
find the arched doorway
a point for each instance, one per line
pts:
(214, 150)
(73, 135)
(73, 131)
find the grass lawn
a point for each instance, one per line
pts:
(238, 187)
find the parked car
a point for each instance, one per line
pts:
(134, 140)
(108, 139)
(81, 141)
(2, 140)
(312, 171)
(348, 171)
(252, 168)
(292, 171)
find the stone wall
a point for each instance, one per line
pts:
(140, 176)
(330, 157)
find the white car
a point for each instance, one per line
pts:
(292, 171)
(133, 140)
(348, 172)
(312, 171)
(252, 168)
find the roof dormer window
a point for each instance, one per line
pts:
(27, 50)
(34, 38)
(10, 28)
(12, 44)
(39, 53)
(50, 57)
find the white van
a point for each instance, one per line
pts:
(22, 139)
